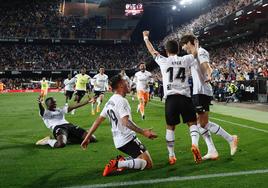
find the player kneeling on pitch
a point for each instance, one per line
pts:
(63, 131)
(118, 111)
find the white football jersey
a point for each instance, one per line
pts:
(125, 77)
(199, 84)
(69, 84)
(175, 71)
(54, 118)
(100, 82)
(142, 80)
(115, 109)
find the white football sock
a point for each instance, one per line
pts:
(92, 107)
(207, 137)
(51, 142)
(98, 101)
(133, 164)
(218, 130)
(170, 139)
(194, 132)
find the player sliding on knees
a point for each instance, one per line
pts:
(202, 95)
(63, 131)
(118, 111)
(175, 71)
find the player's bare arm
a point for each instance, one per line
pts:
(93, 128)
(78, 105)
(207, 70)
(149, 45)
(41, 107)
(131, 125)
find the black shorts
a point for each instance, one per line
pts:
(134, 148)
(80, 93)
(98, 93)
(201, 102)
(179, 105)
(73, 133)
(69, 94)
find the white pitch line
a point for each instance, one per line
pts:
(172, 179)
(240, 125)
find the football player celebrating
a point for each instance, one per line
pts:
(202, 95)
(142, 80)
(69, 84)
(63, 131)
(100, 83)
(118, 111)
(175, 71)
(44, 87)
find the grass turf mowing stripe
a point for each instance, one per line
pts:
(240, 125)
(175, 178)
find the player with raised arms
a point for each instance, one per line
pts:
(175, 71)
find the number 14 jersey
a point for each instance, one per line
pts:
(115, 109)
(175, 72)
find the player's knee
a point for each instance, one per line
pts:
(203, 122)
(149, 164)
(59, 144)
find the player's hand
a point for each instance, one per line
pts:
(92, 100)
(194, 49)
(149, 133)
(146, 33)
(85, 143)
(208, 80)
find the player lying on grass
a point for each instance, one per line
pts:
(118, 111)
(63, 131)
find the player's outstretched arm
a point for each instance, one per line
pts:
(41, 107)
(36, 82)
(148, 44)
(93, 128)
(131, 125)
(78, 105)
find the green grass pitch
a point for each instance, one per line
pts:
(22, 164)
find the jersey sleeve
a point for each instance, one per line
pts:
(159, 59)
(135, 79)
(203, 56)
(104, 112)
(188, 59)
(123, 109)
(65, 109)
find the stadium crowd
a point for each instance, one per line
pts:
(37, 19)
(214, 15)
(244, 61)
(45, 57)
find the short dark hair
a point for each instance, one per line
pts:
(48, 100)
(101, 67)
(187, 38)
(115, 81)
(172, 47)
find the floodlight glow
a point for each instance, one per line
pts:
(184, 2)
(174, 7)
